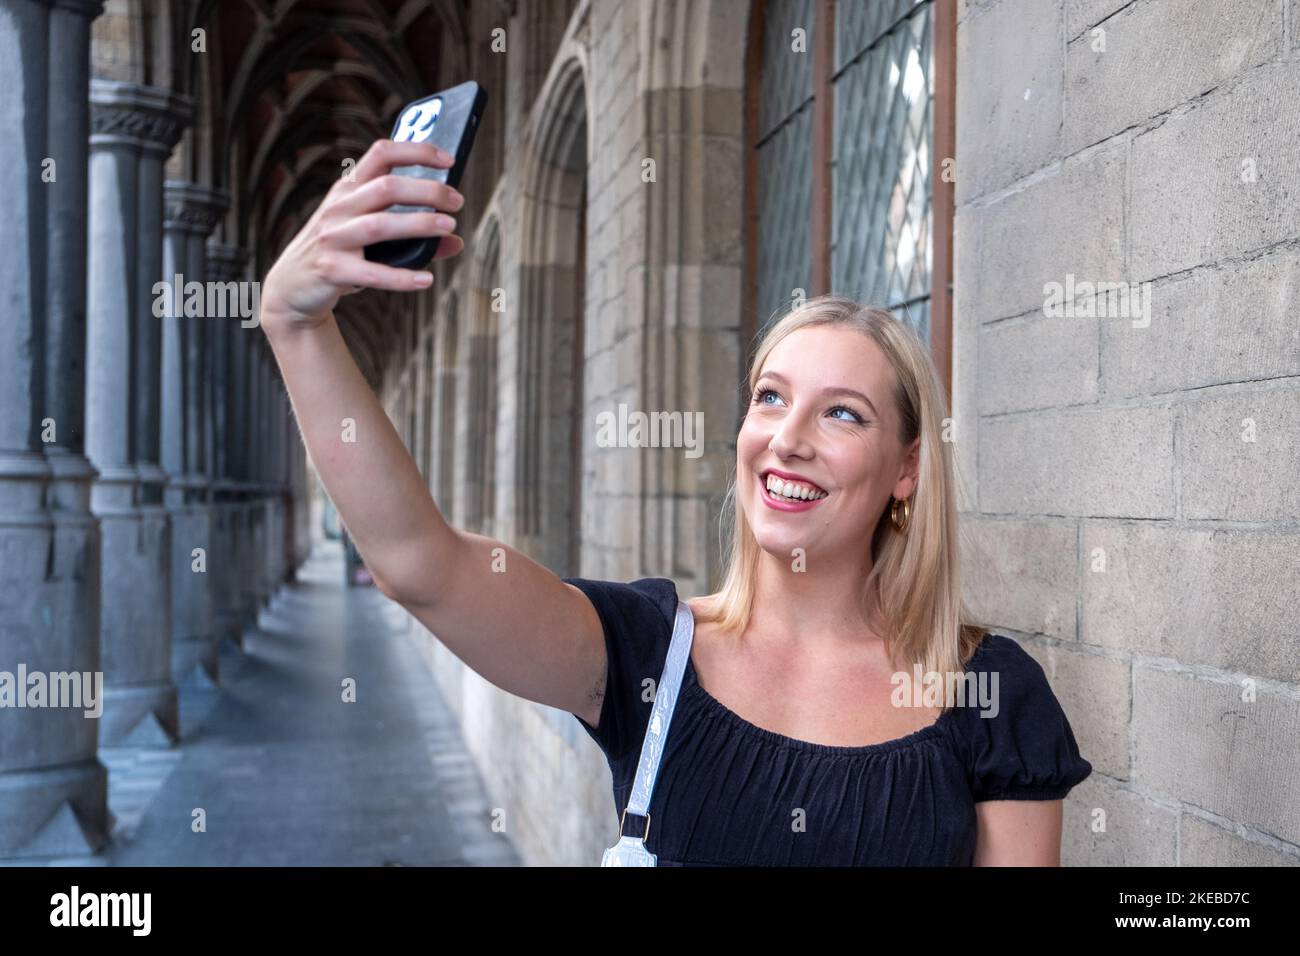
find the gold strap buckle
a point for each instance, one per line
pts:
(647, 824)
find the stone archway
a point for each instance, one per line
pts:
(444, 414)
(551, 321)
(690, 292)
(480, 398)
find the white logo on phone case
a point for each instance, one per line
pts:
(417, 122)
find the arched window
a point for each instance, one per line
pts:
(782, 143)
(850, 108)
(883, 156)
(548, 463)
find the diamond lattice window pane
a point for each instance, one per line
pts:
(784, 158)
(785, 194)
(860, 23)
(917, 315)
(786, 83)
(882, 251)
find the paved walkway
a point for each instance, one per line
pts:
(286, 772)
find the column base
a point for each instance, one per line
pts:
(140, 715)
(55, 812)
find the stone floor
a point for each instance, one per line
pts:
(275, 768)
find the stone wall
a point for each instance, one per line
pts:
(1133, 501)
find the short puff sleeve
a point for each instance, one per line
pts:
(637, 619)
(1027, 750)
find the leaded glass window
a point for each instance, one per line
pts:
(884, 89)
(784, 156)
(879, 244)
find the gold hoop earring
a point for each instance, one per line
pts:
(907, 513)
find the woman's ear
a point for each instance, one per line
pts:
(910, 471)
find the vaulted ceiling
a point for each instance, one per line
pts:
(290, 89)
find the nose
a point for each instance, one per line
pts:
(790, 440)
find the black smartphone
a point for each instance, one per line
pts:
(448, 120)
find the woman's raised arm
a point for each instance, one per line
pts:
(509, 618)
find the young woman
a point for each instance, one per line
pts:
(789, 744)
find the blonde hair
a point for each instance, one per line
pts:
(916, 572)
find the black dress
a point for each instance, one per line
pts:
(730, 793)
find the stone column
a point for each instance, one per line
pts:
(274, 497)
(192, 213)
(277, 476)
(265, 412)
(252, 543)
(242, 344)
(132, 129)
(285, 480)
(226, 264)
(53, 789)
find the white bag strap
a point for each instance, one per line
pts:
(661, 715)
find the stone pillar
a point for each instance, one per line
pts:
(252, 548)
(280, 493)
(133, 128)
(192, 213)
(226, 264)
(285, 480)
(243, 341)
(265, 412)
(274, 499)
(53, 789)
(275, 481)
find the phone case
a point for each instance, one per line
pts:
(448, 120)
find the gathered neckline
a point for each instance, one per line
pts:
(718, 709)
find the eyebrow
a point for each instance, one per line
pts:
(833, 390)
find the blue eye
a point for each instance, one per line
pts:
(857, 419)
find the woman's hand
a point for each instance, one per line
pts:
(326, 259)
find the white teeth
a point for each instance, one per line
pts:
(796, 492)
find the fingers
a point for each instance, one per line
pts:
(378, 226)
(352, 270)
(448, 247)
(355, 214)
(390, 189)
(384, 154)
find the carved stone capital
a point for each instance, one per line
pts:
(142, 117)
(192, 208)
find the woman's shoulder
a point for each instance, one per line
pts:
(994, 650)
(1009, 676)
(1016, 734)
(637, 617)
(630, 605)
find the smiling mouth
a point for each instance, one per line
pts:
(784, 489)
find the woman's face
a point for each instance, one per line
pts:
(822, 411)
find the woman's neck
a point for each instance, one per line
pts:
(813, 606)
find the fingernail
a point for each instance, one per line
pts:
(423, 278)
(445, 222)
(446, 156)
